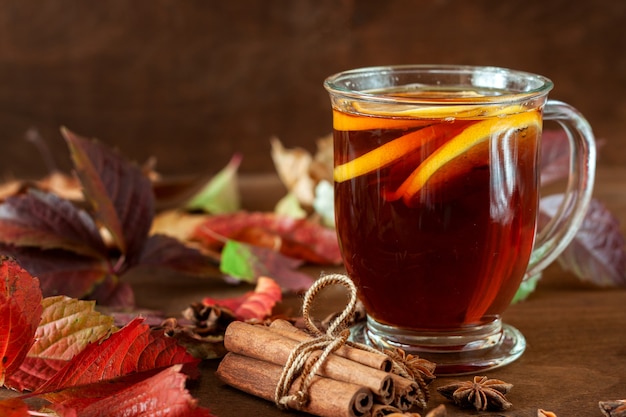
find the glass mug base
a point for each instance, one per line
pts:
(466, 351)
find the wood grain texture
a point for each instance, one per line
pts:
(191, 82)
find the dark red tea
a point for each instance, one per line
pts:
(436, 214)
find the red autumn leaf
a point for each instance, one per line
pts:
(166, 251)
(598, 252)
(34, 372)
(20, 310)
(260, 236)
(119, 191)
(47, 221)
(67, 326)
(134, 348)
(554, 156)
(61, 272)
(297, 238)
(257, 304)
(77, 367)
(138, 396)
(14, 407)
(114, 293)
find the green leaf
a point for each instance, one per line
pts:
(526, 288)
(290, 206)
(221, 194)
(249, 262)
(324, 203)
(238, 261)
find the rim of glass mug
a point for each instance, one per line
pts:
(509, 86)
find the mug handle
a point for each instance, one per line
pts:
(561, 229)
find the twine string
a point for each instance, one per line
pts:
(306, 359)
(301, 361)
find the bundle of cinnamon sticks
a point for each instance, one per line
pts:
(351, 383)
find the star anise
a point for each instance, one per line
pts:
(201, 330)
(418, 369)
(615, 408)
(481, 394)
(413, 365)
(208, 320)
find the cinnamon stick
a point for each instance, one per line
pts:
(327, 397)
(371, 359)
(406, 391)
(261, 343)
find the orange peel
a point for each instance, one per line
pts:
(467, 139)
(351, 122)
(388, 153)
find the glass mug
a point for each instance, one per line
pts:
(436, 172)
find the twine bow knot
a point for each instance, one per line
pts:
(301, 361)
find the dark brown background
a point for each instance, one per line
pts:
(192, 82)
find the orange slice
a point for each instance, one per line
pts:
(388, 153)
(470, 137)
(349, 122)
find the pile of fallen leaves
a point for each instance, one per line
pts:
(74, 360)
(83, 246)
(80, 236)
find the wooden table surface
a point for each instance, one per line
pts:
(575, 332)
(576, 356)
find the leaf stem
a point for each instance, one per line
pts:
(119, 264)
